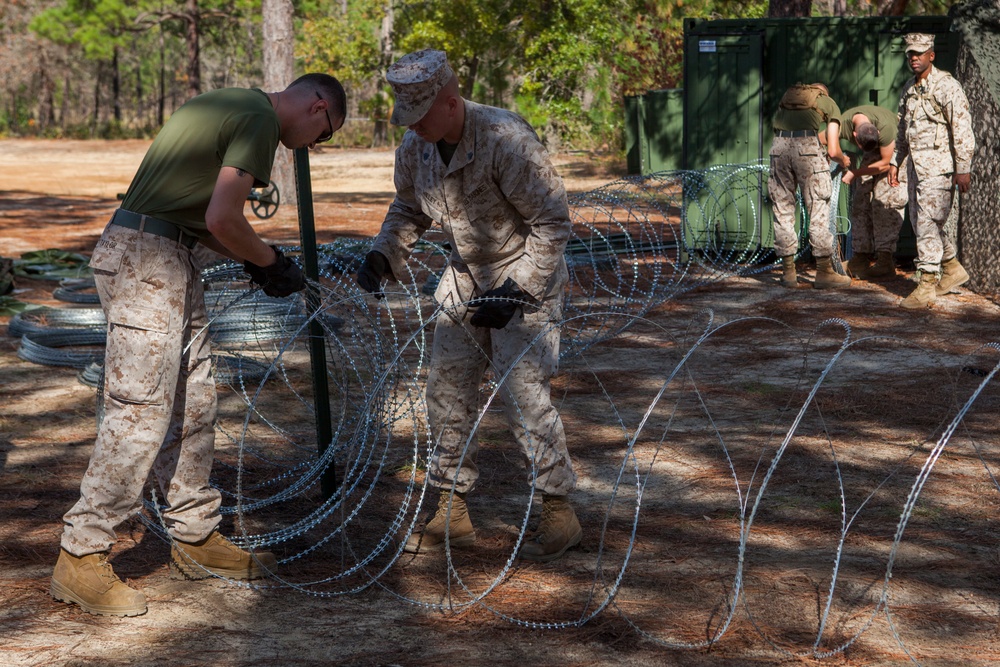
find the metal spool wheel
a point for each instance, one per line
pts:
(264, 203)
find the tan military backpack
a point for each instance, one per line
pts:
(800, 96)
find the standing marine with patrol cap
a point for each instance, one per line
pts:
(798, 160)
(160, 396)
(935, 131)
(876, 208)
(483, 175)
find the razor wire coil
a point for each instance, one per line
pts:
(636, 243)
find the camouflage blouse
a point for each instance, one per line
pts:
(935, 126)
(499, 201)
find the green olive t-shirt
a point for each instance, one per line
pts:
(883, 119)
(807, 119)
(229, 127)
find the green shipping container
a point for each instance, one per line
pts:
(654, 131)
(736, 70)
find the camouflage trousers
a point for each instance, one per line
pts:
(877, 211)
(931, 198)
(160, 396)
(800, 162)
(460, 356)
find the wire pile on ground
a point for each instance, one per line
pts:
(701, 430)
(715, 426)
(690, 432)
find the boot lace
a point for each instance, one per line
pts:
(104, 569)
(545, 525)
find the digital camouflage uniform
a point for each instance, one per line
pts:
(503, 209)
(801, 162)
(935, 132)
(160, 404)
(159, 392)
(877, 208)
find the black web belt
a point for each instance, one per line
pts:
(151, 225)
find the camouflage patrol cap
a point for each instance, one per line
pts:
(416, 79)
(919, 42)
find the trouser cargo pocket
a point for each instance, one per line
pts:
(133, 368)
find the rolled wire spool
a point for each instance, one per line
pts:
(47, 347)
(73, 290)
(49, 320)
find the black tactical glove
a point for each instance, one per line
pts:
(373, 269)
(495, 308)
(281, 278)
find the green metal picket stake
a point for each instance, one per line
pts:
(317, 337)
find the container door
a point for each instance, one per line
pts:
(722, 92)
(723, 131)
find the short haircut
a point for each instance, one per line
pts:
(867, 136)
(328, 87)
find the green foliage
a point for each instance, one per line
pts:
(912, 7)
(16, 115)
(225, 26)
(78, 131)
(563, 64)
(344, 44)
(96, 26)
(10, 306)
(475, 33)
(378, 105)
(650, 52)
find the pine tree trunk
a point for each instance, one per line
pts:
(279, 71)
(116, 86)
(191, 36)
(46, 111)
(380, 134)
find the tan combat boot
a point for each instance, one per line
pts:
(858, 265)
(215, 555)
(953, 275)
(454, 521)
(826, 277)
(788, 277)
(90, 582)
(558, 531)
(924, 295)
(885, 266)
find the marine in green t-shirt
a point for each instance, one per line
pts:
(229, 127)
(876, 207)
(161, 397)
(877, 145)
(884, 121)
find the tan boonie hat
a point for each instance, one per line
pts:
(919, 42)
(416, 79)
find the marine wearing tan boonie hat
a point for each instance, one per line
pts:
(416, 79)
(919, 42)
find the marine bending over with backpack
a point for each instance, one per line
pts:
(800, 161)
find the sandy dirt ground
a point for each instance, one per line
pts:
(768, 528)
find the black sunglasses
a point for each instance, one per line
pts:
(326, 136)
